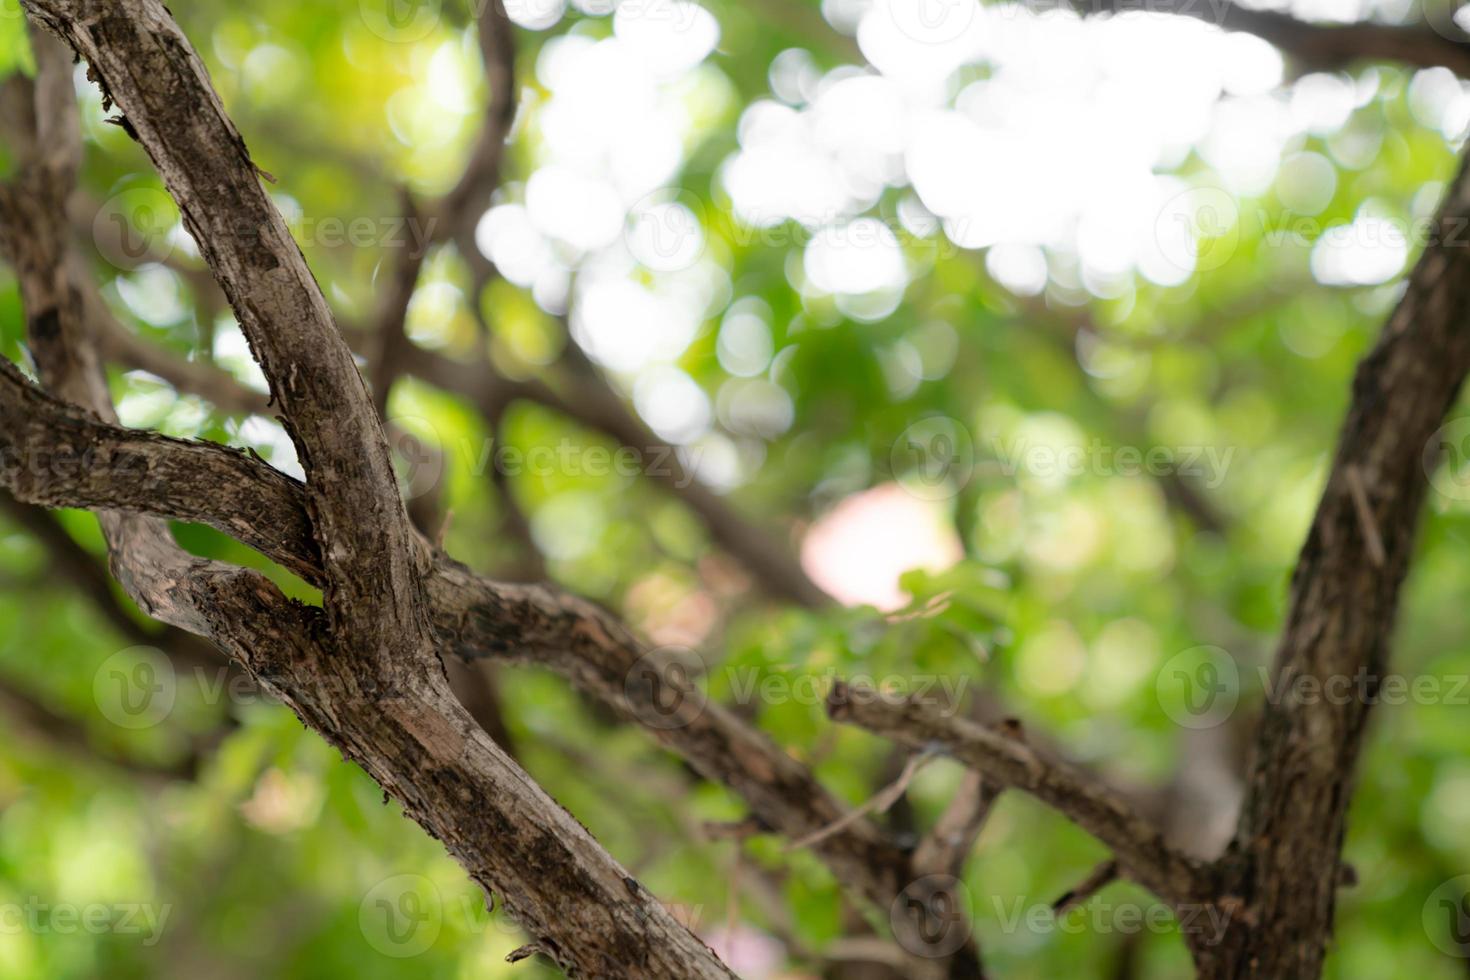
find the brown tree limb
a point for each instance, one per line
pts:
(1142, 853)
(147, 68)
(753, 745)
(473, 617)
(1283, 863)
(362, 686)
(58, 455)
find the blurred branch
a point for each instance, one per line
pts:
(1317, 47)
(473, 617)
(1102, 876)
(949, 842)
(86, 573)
(29, 714)
(59, 455)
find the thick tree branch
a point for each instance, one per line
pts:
(360, 676)
(58, 455)
(145, 65)
(1284, 861)
(473, 617)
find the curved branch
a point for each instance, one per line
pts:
(1141, 850)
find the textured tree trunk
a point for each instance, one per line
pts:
(1284, 866)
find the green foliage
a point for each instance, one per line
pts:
(1067, 595)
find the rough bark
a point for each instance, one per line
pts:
(1284, 862)
(1139, 845)
(363, 672)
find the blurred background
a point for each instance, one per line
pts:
(988, 349)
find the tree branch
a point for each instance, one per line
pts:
(360, 676)
(1318, 47)
(1141, 850)
(1284, 860)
